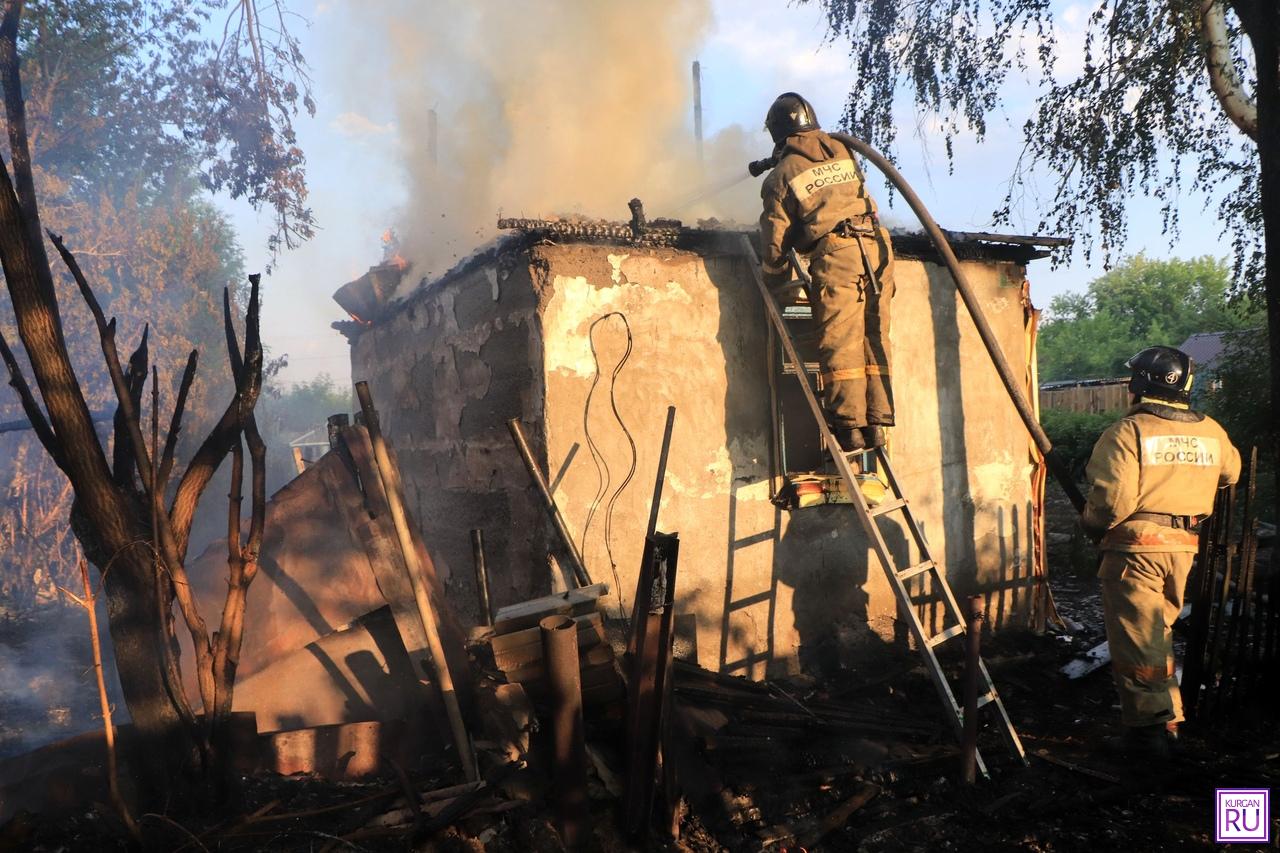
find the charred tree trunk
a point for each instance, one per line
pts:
(166, 758)
(119, 515)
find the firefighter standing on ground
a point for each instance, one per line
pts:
(816, 202)
(1154, 475)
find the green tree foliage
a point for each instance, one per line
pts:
(134, 116)
(1234, 393)
(1074, 434)
(1139, 303)
(132, 96)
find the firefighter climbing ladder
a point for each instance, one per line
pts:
(895, 502)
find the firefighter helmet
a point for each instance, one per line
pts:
(1164, 373)
(790, 113)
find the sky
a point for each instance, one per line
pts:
(750, 51)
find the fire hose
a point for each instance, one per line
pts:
(1010, 381)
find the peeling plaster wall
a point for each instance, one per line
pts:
(759, 589)
(447, 370)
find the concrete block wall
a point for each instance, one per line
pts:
(540, 330)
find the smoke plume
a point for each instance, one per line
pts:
(560, 107)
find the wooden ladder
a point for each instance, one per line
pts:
(895, 502)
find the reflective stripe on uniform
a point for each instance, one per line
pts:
(844, 374)
(1144, 674)
(877, 370)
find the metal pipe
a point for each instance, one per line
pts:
(549, 503)
(482, 576)
(661, 476)
(1011, 382)
(560, 651)
(648, 678)
(390, 478)
(972, 659)
(659, 480)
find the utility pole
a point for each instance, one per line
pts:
(697, 106)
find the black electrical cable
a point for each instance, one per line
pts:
(603, 477)
(597, 457)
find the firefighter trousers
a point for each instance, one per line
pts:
(1141, 598)
(852, 325)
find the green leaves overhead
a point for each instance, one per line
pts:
(1127, 110)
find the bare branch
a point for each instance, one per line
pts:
(258, 456)
(169, 669)
(233, 609)
(107, 333)
(242, 560)
(175, 425)
(219, 441)
(35, 302)
(1223, 77)
(123, 458)
(29, 405)
(16, 122)
(170, 550)
(229, 328)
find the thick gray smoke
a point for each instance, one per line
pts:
(558, 107)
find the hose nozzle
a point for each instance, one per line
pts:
(759, 167)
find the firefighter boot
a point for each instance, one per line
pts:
(851, 439)
(873, 436)
(1145, 742)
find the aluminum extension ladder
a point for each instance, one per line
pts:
(895, 502)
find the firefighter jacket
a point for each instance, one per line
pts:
(1156, 459)
(815, 186)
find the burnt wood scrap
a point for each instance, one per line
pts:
(1235, 615)
(639, 231)
(435, 662)
(336, 613)
(510, 653)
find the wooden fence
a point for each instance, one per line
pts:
(1096, 397)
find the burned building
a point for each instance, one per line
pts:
(587, 334)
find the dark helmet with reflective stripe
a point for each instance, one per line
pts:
(789, 113)
(1164, 373)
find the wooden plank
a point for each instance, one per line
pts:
(1094, 659)
(547, 605)
(531, 654)
(533, 636)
